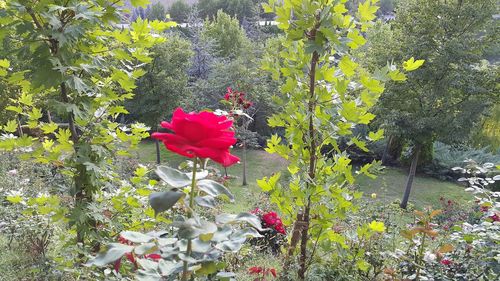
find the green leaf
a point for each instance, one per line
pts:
(16, 109)
(396, 75)
(251, 219)
(366, 11)
(10, 127)
(214, 189)
(357, 40)
(114, 252)
(49, 128)
(162, 201)
(376, 136)
(363, 265)
(339, 8)
(268, 185)
(377, 226)
(4, 63)
(136, 237)
(173, 177)
(205, 201)
(347, 66)
(140, 3)
(412, 64)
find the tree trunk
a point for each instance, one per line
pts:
(244, 163)
(158, 160)
(411, 175)
(386, 150)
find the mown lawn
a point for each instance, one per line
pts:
(389, 185)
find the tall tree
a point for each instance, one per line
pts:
(163, 87)
(78, 65)
(448, 95)
(229, 37)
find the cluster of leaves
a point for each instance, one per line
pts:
(194, 245)
(76, 70)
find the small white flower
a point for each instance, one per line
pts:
(429, 257)
(12, 172)
(24, 181)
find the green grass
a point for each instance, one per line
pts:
(259, 163)
(389, 185)
(426, 191)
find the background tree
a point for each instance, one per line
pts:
(229, 38)
(179, 11)
(163, 87)
(447, 97)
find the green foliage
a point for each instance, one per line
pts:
(75, 63)
(446, 157)
(446, 98)
(237, 8)
(326, 93)
(179, 11)
(196, 246)
(229, 37)
(163, 86)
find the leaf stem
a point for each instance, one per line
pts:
(190, 215)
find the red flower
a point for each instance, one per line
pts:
(255, 270)
(446, 262)
(203, 135)
(227, 96)
(494, 217)
(247, 104)
(154, 257)
(280, 229)
(270, 218)
(273, 271)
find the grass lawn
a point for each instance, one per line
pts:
(388, 186)
(426, 191)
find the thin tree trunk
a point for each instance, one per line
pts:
(49, 116)
(386, 150)
(158, 160)
(411, 176)
(244, 163)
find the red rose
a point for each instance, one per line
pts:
(203, 135)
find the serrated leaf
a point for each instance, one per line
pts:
(347, 66)
(10, 127)
(376, 136)
(412, 64)
(377, 226)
